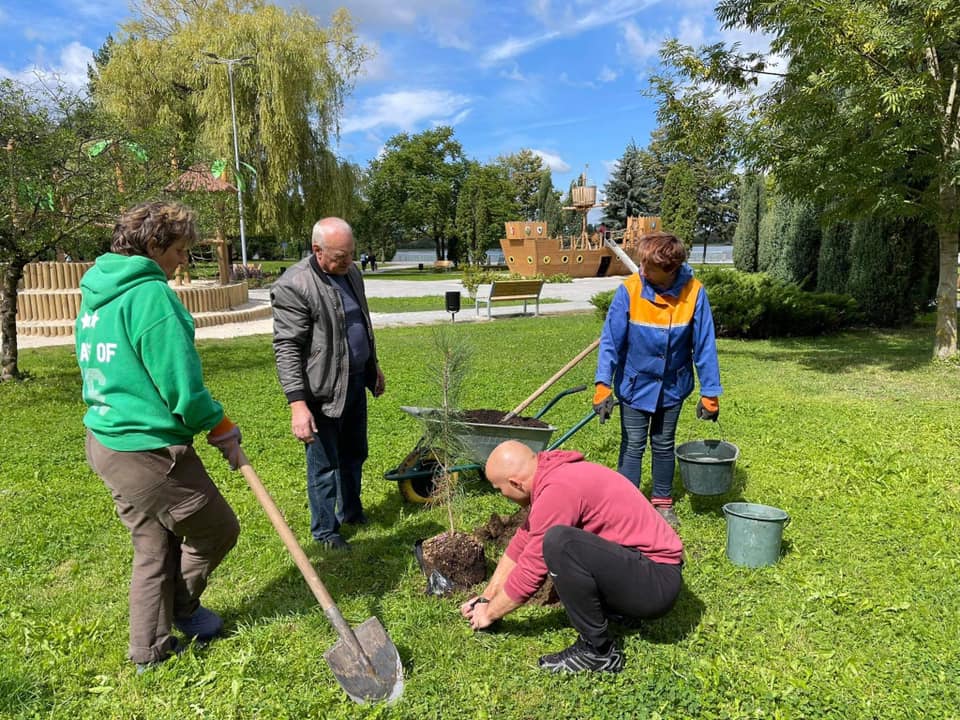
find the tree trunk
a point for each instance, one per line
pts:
(8, 321)
(945, 344)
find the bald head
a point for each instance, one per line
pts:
(510, 468)
(333, 245)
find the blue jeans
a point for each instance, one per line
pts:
(661, 426)
(335, 463)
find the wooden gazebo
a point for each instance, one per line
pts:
(199, 179)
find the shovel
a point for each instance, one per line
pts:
(364, 661)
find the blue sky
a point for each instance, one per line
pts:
(564, 79)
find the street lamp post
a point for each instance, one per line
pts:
(230, 62)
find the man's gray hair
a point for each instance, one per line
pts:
(327, 226)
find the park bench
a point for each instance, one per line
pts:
(509, 290)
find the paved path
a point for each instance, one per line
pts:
(573, 296)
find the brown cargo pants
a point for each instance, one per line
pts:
(181, 528)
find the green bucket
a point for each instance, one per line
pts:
(754, 533)
(706, 466)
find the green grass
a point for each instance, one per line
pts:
(855, 436)
(436, 302)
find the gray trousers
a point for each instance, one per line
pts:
(181, 528)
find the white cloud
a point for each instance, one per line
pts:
(70, 69)
(513, 74)
(568, 21)
(607, 75)
(639, 44)
(447, 21)
(379, 65)
(407, 110)
(691, 31)
(552, 161)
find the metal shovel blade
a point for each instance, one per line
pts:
(380, 679)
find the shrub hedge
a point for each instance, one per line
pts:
(754, 305)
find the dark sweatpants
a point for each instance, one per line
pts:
(594, 577)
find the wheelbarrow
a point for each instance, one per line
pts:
(415, 475)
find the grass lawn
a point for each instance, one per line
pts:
(855, 436)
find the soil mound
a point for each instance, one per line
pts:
(458, 557)
(498, 531)
(495, 417)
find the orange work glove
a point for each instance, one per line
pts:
(226, 438)
(708, 408)
(603, 402)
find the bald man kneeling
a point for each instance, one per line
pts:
(608, 551)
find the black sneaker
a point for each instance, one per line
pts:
(669, 514)
(334, 542)
(582, 656)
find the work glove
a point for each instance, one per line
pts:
(226, 438)
(603, 402)
(708, 408)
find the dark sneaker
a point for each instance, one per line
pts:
(175, 651)
(203, 625)
(582, 656)
(334, 542)
(668, 514)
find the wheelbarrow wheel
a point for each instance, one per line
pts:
(416, 490)
(419, 490)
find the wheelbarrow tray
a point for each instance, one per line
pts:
(481, 438)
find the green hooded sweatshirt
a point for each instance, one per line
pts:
(142, 377)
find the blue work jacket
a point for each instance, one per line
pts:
(651, 340)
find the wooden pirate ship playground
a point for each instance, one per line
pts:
(529, 250)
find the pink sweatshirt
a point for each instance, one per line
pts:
(568, 490)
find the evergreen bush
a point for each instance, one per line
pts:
(892, 266)
(754, 305)
(833, 261)
(747, 235)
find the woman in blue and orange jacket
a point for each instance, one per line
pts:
(658, 327)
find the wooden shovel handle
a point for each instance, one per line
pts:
(560, 373)
(286, 534)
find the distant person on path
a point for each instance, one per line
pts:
(373, 262)
(143, 385)
(326, 360)
(658, 327)
(363, 262)
(609, 553)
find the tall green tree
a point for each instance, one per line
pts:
(625, 191)
(679, 204)
(526, 171)
(746, 238)
(289, 95)
(549, 208)
(871, 88)
(60, 187)
(484, 204)
(414, 185)
(833, 262)
(701, 131)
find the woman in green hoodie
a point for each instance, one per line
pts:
(143, 385)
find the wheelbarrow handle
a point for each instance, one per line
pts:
(571, 391)
(556, 376)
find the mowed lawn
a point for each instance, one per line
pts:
(857, 437)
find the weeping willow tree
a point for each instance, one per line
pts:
(289, 95)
